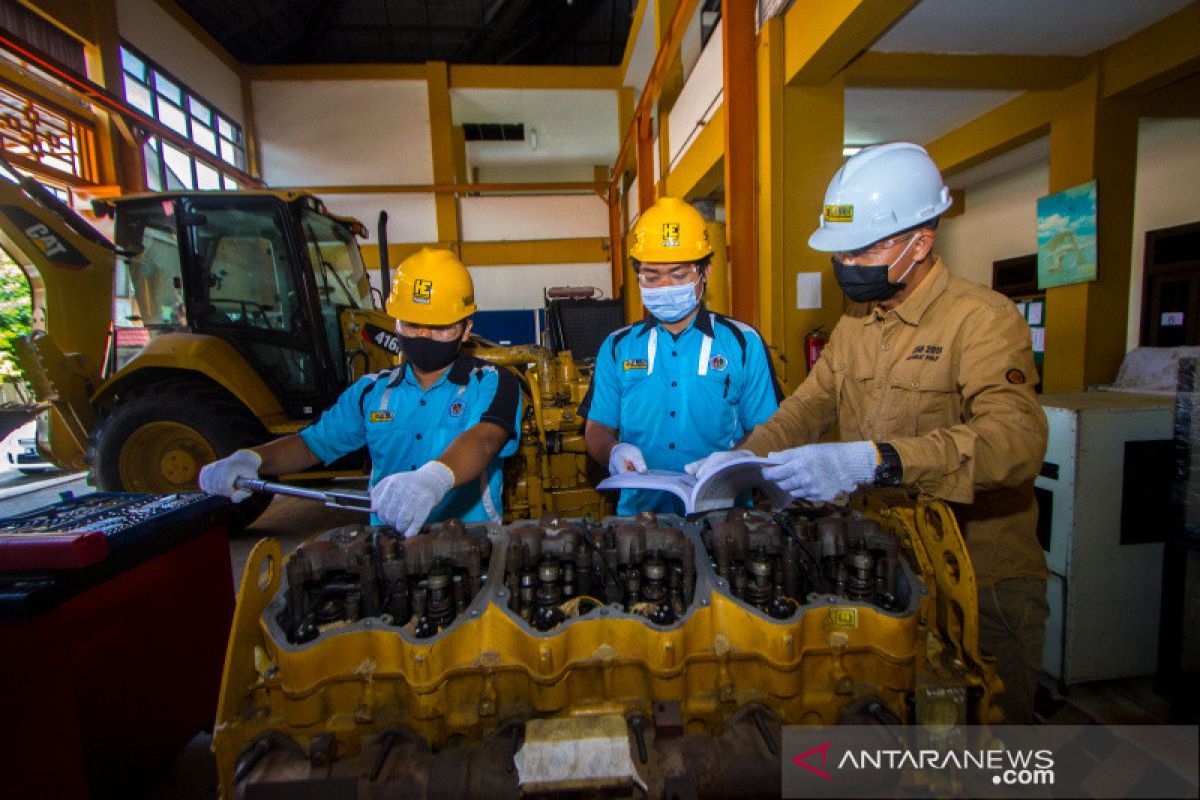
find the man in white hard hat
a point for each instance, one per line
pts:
(929, 378)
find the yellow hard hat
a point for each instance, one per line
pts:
(432, 287)
(670, 232)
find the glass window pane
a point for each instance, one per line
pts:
(199, 110)
(167, 88)
(207, 178)
(132, 64)
(153, 166)
(204, 137)
(226, 128)
(179, 168)
(231, 154)
(229, 183)
(173, 118)
(138, 95)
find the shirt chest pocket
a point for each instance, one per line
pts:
(927, 393)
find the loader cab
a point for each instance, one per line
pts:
(267, 273)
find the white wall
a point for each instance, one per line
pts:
(150, 29)
(343, 132)
(488, 219)
(699, 97)
(1166, 194)
(1000, 221)
(1001, 213)
(521, 286)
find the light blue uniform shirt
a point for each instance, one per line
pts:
(403, 426)
(681, 398)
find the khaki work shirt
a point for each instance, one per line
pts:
(947, 378)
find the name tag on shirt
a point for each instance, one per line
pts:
(381, 416)
(635, 363)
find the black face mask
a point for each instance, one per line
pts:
(429, 355)
(862, 284)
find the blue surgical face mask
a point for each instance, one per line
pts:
(670, 303)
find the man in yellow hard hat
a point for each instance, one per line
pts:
(436, 426)
(683, 382)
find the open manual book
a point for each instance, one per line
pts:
(719, 489)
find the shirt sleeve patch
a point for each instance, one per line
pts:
(1015, 376)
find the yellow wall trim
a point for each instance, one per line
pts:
(1153, 57)
(503, 253)
(944, 71)
(1017, 122)
(701, 167)
(821, 37)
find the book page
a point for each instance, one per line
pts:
(721, 488)
(679, 484)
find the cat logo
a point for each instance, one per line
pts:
(456, 408)
(839, 213)
(381, 416)
(422, 291)
(670, 234)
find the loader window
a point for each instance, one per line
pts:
(149, 290)
(244, 266)
(339, 274)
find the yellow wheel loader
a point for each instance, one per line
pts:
(214, 320)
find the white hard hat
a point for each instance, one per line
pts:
(879, 191)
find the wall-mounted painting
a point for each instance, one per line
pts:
(1067, 236)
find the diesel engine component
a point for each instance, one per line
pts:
(465, 660)
(561, 569)
(776, 563)
(359, 572)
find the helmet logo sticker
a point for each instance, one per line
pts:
(839, 213)
(670, 234)
(422, 291)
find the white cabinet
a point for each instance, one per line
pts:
(1107, 451)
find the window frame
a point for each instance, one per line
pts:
(236, 141)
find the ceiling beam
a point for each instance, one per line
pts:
(943, 71)
(1017, 122)
(487, 76)
(1153, 57)
(821, 37)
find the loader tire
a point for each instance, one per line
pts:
(156, 437)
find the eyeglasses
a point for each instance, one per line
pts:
(671, 277)
(873, 249)
(442, 333)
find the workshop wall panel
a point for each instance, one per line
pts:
(411, 217)
(339, 133)
(488, 219)
(1167, 177)
(153, 31)
(521, 285)
(699, 99)
(999, 221)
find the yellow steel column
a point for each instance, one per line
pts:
(800, 135)
(716, 296)
(738, 21)
(1092, 138)
(441, 130)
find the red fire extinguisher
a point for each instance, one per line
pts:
(814, 343)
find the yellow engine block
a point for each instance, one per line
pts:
(464, 661)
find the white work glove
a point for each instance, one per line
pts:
(820, 472)
(218, 477)
(405, 499)
(703, 467)
(625, 458)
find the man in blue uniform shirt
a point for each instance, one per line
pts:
(436, 427)
(670, 389)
